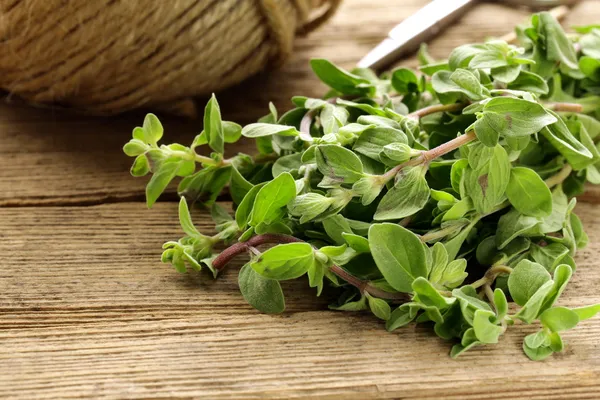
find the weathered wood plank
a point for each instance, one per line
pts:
(87, 310)
(53, 157)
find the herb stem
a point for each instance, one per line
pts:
(559, 177)
(365, 286)
(437, 108)
(429, 155)
(491, 275)
(489, 293)
(198, 158)
(565, 107)
(440, 233)
(275, 238)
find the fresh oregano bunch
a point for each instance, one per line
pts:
(430, 196)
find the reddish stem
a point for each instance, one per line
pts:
(241, 247)
(270, 238)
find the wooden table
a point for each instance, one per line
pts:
(88, 310)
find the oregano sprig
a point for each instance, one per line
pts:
(436, 195)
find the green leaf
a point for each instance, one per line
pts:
(563, 140)
(339, 79)
(549, 256)
(500, 303)
(315, 273)
(525, 279)
(556, 342)
(309, 206)
(438, 262)
(372, 141)
(161, 179)
(446, 275)
(456, 173)
(487, 184)
(261, 293)
(558, 47)
(428, 295)
(469, 340)
(355, 128)
(135, 147)
(333, 117)
(506, 73)
(288, 163)
(231, 131)
(531, 309)
(213, 126)
(152, 129)
(587, 312)
(271, 198)
(530, 82)
(359, 305)
(537, 349)
(408, 195)
(514, 224)
(335, 226)
(461, 81)
(400, 317)
(590, 43)
(205, 185)
(338, 165)
(469, 303)
(186, 220)
(358, 243)
(244, 210)
(559, 319)
(556, 220)
(528, 193)
(590, 67)
(510, 117)
(405, 81)
(140, 166)
(485, 330)
(259, 129)
(454, 245)
(369, 188)
(284, 261)
(239, 186)
(379, 307)
(399, 255)
(562, 274)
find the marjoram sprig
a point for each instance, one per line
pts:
(433, 195)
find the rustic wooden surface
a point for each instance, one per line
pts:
(87, 309)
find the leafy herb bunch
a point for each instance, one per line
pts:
(399, 189)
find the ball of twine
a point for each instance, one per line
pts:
(110, 56)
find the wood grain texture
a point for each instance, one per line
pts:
(87, 310)
(52, 157)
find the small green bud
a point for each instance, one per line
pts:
(400, 152)
(140, 166)
(321, 257)
(368, 188)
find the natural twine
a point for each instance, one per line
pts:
(110, 56)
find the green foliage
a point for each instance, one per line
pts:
(399, 188)
(262, 293)
(399, 255)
